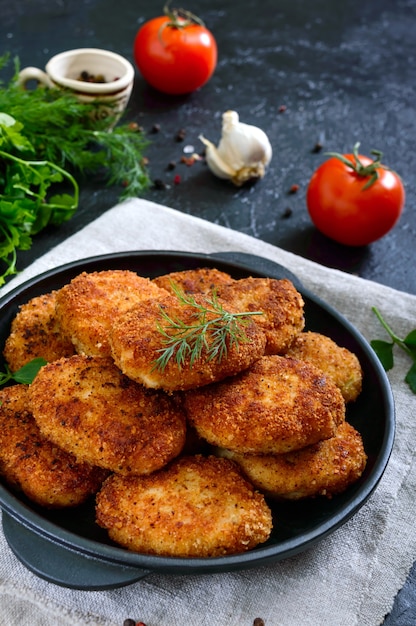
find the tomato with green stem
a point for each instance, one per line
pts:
(354, 199)
(175, 53)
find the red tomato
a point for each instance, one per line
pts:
(354, 199)
(175, 53)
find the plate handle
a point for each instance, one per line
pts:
(63, 566)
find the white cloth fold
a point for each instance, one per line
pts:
(348, 579)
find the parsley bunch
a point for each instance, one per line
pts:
(26, 204)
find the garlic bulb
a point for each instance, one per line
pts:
(243, 153)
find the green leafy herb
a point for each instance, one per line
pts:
(49, 141)
(384, 349)
(25, 374)
(75, 134)
(26, 202)
(214, 331)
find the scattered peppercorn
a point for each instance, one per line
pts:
(294, 189)
(188, 160)
(287, 212)
(159, 184)
(134, 126)
(129, 622)
(317, 147)
(258, 622)
(180, 135)
(155, 128)
(282, 108)
(171, 165)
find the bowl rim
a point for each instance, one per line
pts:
(125, 80)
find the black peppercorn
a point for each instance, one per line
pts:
(159, 184)
(181, 134)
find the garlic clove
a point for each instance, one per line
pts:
(214, 160)
(243, 153)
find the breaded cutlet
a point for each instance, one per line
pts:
(87, 306)
(203, 280)
(276, 405)
(323, 469)
(196, 507)
(35, 332)
(340, 364)
(281, 304)
(45, 473)
(88, 407)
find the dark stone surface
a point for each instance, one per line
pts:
(345, 72)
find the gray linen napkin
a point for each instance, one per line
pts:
(350, 578)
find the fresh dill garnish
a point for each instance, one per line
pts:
(384, 349)
(214, 331)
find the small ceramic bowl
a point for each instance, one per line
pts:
(90, 73)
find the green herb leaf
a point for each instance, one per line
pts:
(411, 378)
(384, 349)
(410, 341)
(26, 206)
(25, 374)
(28, 372)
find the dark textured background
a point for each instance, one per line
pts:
(345, 71)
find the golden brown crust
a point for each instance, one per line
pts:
(88, 305)
(29, 462)
(202, 280)
(87, 406)
(136, 342)
(324, 469)
(340, 364)
(281, 304)
(196, 507)
(277, 405)
(35, 332)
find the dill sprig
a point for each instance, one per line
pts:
(213, 330)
